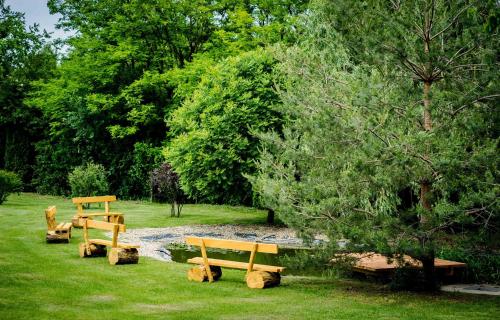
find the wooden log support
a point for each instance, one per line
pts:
(199, 273)
(123, 256)
(263, 279)
(59, 237)
(96, 250)
(76, 221)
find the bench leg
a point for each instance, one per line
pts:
(57, 237)
(263, 279)
(123, 256)
(96, 250)
(199, 273)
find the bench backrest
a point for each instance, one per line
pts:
(93, 199)
(232, 244)
(79, 201)
(50, 216)
(102, 225)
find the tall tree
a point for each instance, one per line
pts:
(391, 137)
(131, 65)
(24, 57)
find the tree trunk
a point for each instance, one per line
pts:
(429, 272)
(263, 279)
(96, 250)
(199, 274)
(270, 216)
(123, 256)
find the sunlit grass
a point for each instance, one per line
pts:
(41, 281)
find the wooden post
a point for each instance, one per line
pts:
(205, 261)
(114, 240)
(86, 237)
(252, 257)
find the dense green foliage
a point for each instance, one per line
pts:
(213, 146)
(9, 182)
(129, 67)
(24, 57)
(88, 180)
(391, 138)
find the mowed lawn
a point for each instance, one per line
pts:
(41, 281)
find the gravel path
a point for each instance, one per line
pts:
(154, 240)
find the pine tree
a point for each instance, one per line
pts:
(391, 139)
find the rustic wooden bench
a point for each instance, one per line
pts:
(109, 216)
(56, 232)
(121, 253)
(257, 276)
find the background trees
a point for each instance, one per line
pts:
(131, 65)
(390, 139)
(24, 57)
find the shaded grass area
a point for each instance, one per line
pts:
(43, 281)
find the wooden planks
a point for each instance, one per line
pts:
(232, 244)
(82, 200)
(56, 232)
(109, 243)
(103, 225)
(50, 216)
(374, 262)
(236, 264)
(100, 214)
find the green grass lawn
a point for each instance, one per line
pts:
(41, 281)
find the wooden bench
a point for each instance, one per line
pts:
(121, 253)
(56, 232)
(109, 216)
(257, 276)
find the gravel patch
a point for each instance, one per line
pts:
(154, 240)
(486, 289)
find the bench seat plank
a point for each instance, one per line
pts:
(236, 264)
(63, 226)
(109, 243)
(100, 214)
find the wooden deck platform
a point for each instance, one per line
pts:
(376, 263)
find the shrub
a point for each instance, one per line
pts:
(213, 145)
(483, 265)
(9, 182)
(165, 187)
(88, 180)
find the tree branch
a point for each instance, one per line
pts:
(454, 113)
(451, 23)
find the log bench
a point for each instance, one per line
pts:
(56, 232)
(121, 253)
(109, 216)
(258, 276)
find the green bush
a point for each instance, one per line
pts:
(213, 146)
(482, 265)
(9, 182)
(88, 180)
